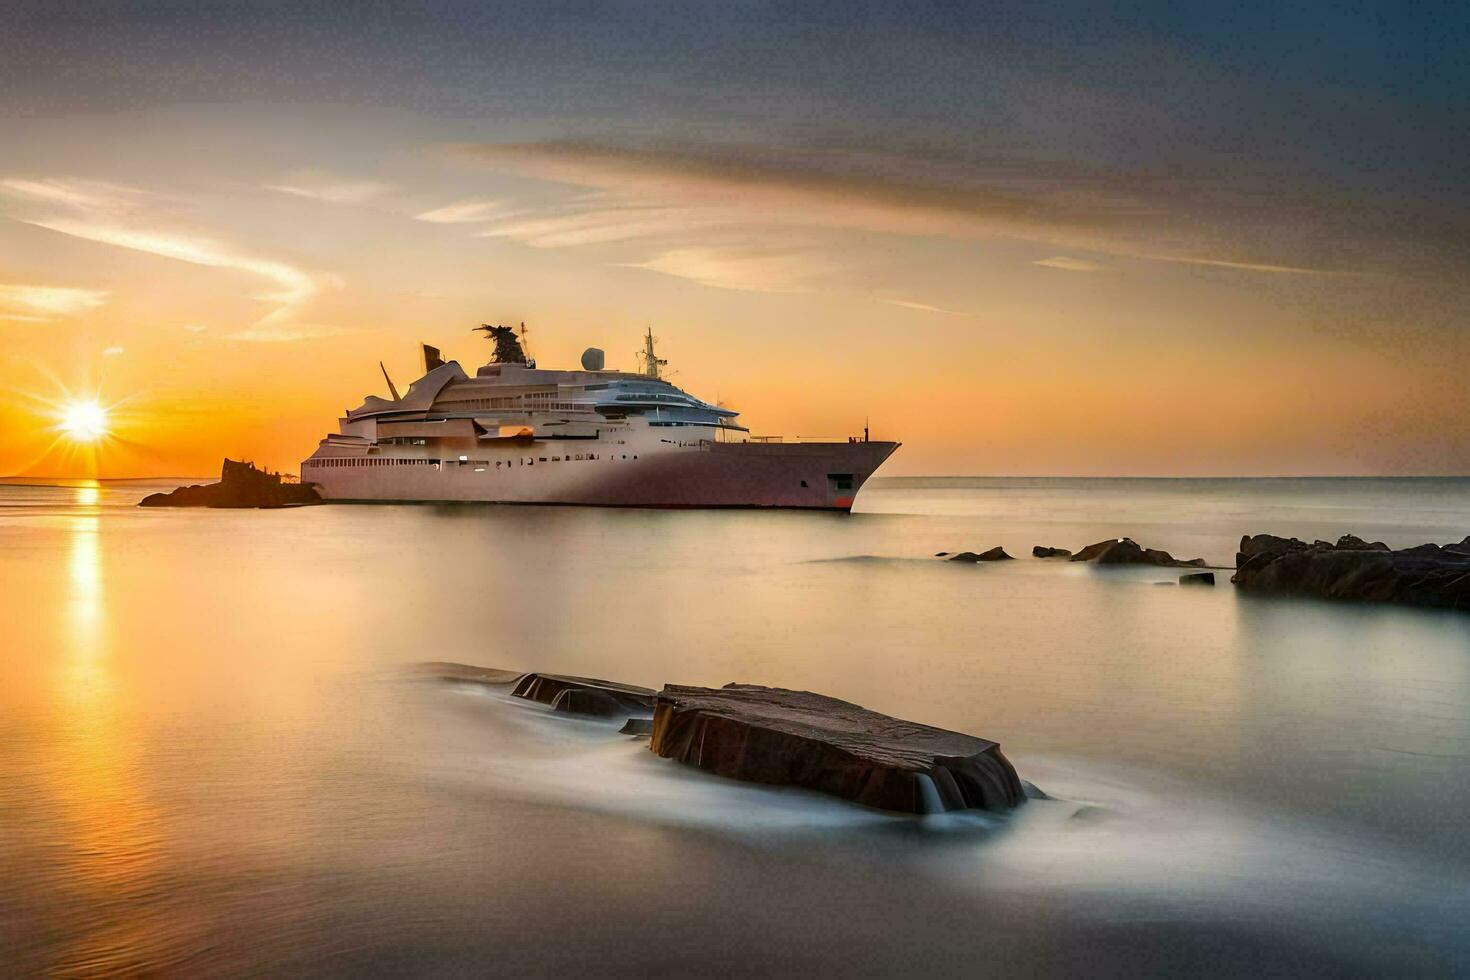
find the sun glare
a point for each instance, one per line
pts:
(84, 421)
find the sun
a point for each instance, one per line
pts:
(83, 421)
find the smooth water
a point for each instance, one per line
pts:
(212, 760)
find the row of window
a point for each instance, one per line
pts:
(462, 461)
(370, 461)
(533, 460)
(531, 403)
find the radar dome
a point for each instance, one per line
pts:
(592, 359)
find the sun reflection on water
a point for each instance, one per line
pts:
(109, 825)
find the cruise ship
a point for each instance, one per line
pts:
(517, 433)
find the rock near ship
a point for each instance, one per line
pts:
(240, 485)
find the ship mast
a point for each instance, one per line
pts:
(652, 363)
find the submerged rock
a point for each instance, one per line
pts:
(585, 695)
(1126, 551)
(994, 554)
(572, 695)
(240, 485)
(447, 671)
(796, 738)
(1198, 578)
(1043, 552)
(1356, 570)
(637, 726)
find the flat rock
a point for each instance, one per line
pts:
(1040, 551)
(240, 485)
(797, 738)
(1126, 551)
(637, 726)
(585, 695)
(1198, 578)
(1356, 570)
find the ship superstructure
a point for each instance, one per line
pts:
(517, 433)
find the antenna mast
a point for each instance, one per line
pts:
(652, 363)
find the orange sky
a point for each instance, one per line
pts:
(229, 277)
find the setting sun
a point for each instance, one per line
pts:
(84, 421)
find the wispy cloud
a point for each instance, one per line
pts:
(87, 195)
(320, 186)
(1068, 264)
(1293, 270)
(40, 303)
(734, 268)
(464, 212)
(144, 221)
(195, 327)
(925, 307)
(112, 351)
(680, 193)
(291, 286)
(605, 224)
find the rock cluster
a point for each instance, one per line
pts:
(240, 485)
(994, 554)
(1354, 569)
(1126, 551)
(1041, 551)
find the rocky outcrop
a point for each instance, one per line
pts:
(1041, 551)
(1197, 578)
(637, 727)
(1126, 551)
(796, 738)
(1356, 570)
(994, 554)
(240, 485)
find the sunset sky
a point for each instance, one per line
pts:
(1230, 241)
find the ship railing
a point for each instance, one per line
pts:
(801, 439)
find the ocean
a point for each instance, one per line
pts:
(216, 760)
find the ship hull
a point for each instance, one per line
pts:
(817, 476)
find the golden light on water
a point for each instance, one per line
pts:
(84, 421)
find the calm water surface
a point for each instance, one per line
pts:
(212, 760)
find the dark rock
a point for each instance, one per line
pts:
(1351, 542)
(994, 554)
(1352, 569)
(1126, 551)
(637, 726)
(1033, 792)
(1042, 552)
(585, 695)
(240, 485)
(796, 738)
(940, 554)
(1197, 578)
